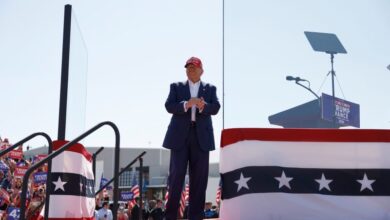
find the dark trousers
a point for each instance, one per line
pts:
(198, 161)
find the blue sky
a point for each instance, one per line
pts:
(132, 50)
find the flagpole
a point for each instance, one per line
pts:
(223, 64)
(141, 169)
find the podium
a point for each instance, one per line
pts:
(319, 113)
(325, 111)
(307, 115)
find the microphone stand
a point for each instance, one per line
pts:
(308, 88)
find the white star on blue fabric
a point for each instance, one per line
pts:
(81, 187)
(284, 180)
(59, 184)
(242, 182)
(91, 188)
(366, 183)
(324, 183)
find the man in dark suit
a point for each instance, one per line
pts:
(190, 137)
(135, 211)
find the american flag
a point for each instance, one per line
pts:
(134, 189)
(219, 191)
(184, 199)
(166, 196)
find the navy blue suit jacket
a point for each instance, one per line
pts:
(179, 126)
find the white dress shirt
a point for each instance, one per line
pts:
(104, 214)
(194, 89)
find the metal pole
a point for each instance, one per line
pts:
(94, 155)
(63, 92)
(48, 184)
(333, 74)
(64, 72)
(120, 173)
(116, 170)
(141, 168)
(223, 64)
(333, 92)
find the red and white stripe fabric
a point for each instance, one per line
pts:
(72, 192)
(134, 189)
(218, 194)
(302, 174)
(166, 197)
(184, 199)
(41, 215)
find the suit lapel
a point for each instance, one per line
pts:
(200, 91)
(187, 93)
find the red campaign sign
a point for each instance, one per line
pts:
(20, 171)
(16, 154)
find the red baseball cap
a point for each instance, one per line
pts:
(195, 61)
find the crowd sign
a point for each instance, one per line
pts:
(16, 154)
(40, 177)
(13, 213)
(126, 196)
(20, 171)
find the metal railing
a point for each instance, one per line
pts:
(116, 175)
(50, 149)
(62, 149)
(25, 140)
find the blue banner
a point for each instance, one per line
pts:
(345, 113)
(104, 181)
(126, 196)
(40, 177)
(13, 213)
(3, 167)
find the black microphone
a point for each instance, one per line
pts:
(296, 79)
(290, 78)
